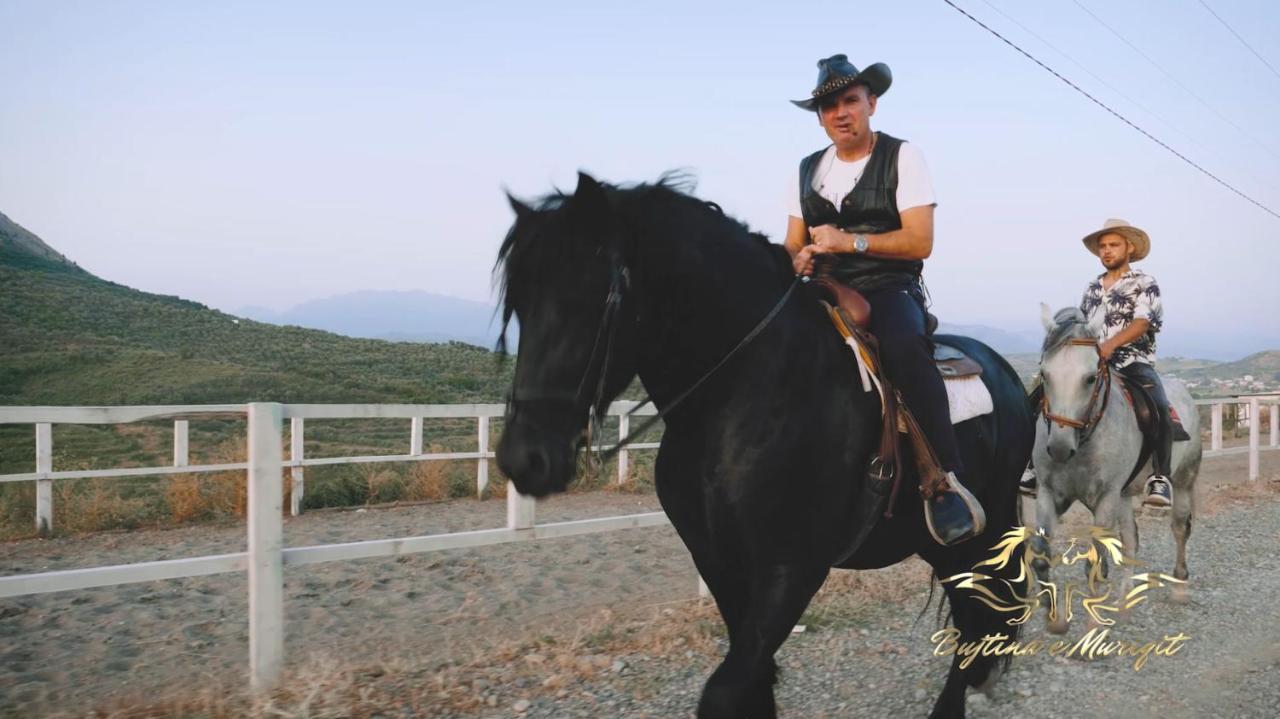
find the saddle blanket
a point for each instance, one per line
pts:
(968, 397)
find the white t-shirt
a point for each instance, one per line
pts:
(835, 178)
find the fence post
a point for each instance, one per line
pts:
(482, 464)
(415, 436)
(1254, 421)
(266, 571)
(1215, 421)
(624, 428)
(520, 508)
(297, 475)
(44, 487)
(1275, 428)
(181, 443)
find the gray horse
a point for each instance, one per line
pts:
(1090, 453)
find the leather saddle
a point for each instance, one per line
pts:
(1148, 417)
(855, 311)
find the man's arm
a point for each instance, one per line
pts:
(1136, 329)
(913, 242)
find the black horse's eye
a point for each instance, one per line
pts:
(1091, 380)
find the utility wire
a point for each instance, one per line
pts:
(1118, 116)
(1090, 73)
(1176, 81)
(1242, 42)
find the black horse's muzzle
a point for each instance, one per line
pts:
(538, 461)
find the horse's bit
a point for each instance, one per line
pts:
(1100, 388)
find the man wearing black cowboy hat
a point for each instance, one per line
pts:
(865, 204)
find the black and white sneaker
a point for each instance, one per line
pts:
(1027, 485)
(1159, 492)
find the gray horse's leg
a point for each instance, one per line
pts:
(1180, 520)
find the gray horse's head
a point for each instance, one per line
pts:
(1070, 372)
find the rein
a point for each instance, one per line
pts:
(764, 322)
(1103, 389)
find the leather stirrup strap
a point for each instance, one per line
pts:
(932, 478)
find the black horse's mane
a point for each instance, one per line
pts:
(540, 257)
(1069, 323)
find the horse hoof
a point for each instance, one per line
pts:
(988, 685)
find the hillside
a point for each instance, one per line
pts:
(71, 338)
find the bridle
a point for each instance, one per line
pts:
(1100, 388)
(607, 331)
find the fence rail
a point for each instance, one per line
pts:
(266, 556)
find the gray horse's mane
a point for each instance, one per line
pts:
(1069, 324)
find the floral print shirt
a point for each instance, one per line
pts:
(1134, 296)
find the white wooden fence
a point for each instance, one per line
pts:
(267, 556)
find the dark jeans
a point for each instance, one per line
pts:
(898, 322)
(1145, 375)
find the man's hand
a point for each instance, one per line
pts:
(831, 239)
(1107, 348)
(803, 261)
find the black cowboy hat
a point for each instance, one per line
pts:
(835, 73)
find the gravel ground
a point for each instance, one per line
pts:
(516, 631)
(880, 663)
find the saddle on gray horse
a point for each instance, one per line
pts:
(1148, 417)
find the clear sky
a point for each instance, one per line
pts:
(267, 154)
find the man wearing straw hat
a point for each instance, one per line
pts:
(1123, 306)
(865, 205)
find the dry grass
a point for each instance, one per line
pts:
(1232, 495)
(94, 504)
(222, 495)
(427, 481)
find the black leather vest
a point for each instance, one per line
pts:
(871, 208)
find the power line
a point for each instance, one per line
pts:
(1242, 42)
(1118, 116)
(1176, 81)
(1090, 73)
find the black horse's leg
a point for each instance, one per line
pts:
(742, 686)
(974, 620)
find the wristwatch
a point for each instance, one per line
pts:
(860, 242)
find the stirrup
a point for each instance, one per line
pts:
(953, 514)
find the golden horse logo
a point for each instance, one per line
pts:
(1098, 548)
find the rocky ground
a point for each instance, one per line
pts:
(604, 625)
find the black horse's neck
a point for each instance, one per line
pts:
(700, 282)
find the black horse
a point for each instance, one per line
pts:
(760, 466)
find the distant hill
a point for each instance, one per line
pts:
(20, 248)
(1001, 341)
(71, 338)
(401, 316)
(1257, 372)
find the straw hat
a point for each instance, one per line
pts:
(1141, 243)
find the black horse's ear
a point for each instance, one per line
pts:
(589, 193)
(522, 210)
